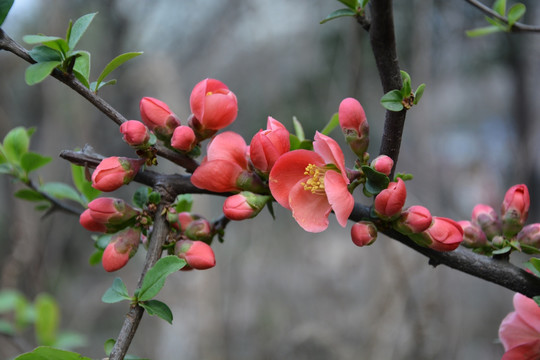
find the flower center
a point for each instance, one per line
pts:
(315, 183)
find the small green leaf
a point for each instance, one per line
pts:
(5, 6)
(498, 23)
(84, 186)
(6, 169)
(406, 88)
(36, 73)
(298, 129)
(500, 7)
(482, 31)
(43, 207)
(306, 145)
(140, 197)
(29, 195)
(156, 276)
(515, 13)
(535, 262)
(183, 203)
(117, 292)
(60, 45)
(44, 53)
(337, 14)
(332, 124)
(116, 62)
(47, 319)
(95, 258)
(108, 346)
(155, 307)
(37, 39)
(294, 141)
(528, 249)
(504, 250)
(61, 191)
(31, 161)
(537, 299)
(93, 85)
(418, 93)
(101, 241)
(405, 76)
(16, 143)
(78, 29)
(392, 100)
(352, 4)
(154, 197)
(49, 353)
(375, 181)
(81, 68)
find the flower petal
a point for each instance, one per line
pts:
(330, 151)
(528, 351)
(528, 310)
(217, 175)
(309, 210)
(339, 197)
(288, 170)
(514, 331)
(228, 146)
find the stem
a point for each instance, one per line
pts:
(383, 44)
(517, 27)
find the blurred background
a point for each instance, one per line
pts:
(278, 292)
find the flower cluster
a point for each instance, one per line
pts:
(488, 233)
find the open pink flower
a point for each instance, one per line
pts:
(213, 104)
(312, 183)
(226, 159)
(520, 330)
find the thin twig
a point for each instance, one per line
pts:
(517, 27)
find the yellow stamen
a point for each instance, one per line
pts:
(315, 183)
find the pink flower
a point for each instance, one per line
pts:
(443, 235)
(183, 139)
(198, 255)
(354, 125)
(515, 209)
(383, 164)
(268, 145)
(113, 172)
(520, 330)
(245, 205)
(390, 201)
(158, 117)
(486, 217)
(88, 222)
(225, 161)
(312, 183)
(363, 233)
(213, 105)
(122, 247)
(414, 219)
(135, 133)
(109, 211)
(473, 236)
(530, 235)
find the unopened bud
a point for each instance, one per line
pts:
(390, 201)
(111, 211)
(158, 117)
(113, 172)
(198, 255)
(136, 134)
(486, 217)
(473, 236)
(354, 126)
(530, 235)
(363, 233)
(183, 139)
(122, 247)
(199, 229)
(414, 219)
(443, 235)
(244, 205)
(383, 164)
(515, 209)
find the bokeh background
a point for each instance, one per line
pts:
(278, 292)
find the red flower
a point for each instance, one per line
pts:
(111, 211)
(383, 164)
(312, 183)
(414, 219)
(135, 133)
(213, 105)
(515, 209)
(268, 145)
(183, 139)
(113, 172)
(158, 117)
(520, 330)
(198, 255)
(363, 233)
(122, 247)
(224, 162)
(390, 201)
(354, 125)
(443, 235)
(88, 222)
(244, 205)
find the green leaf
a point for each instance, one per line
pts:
(6, 169)
(306, 144)
(392, 100)
(117, 292)
(140, 197)
(101, 241)
(5, 6)
(183, 202)
(37, 39)
(504, 250)
(405, 76)
(406, 88)
(84, 186)
(531, 267)
(95, 258)
(36, 73)
(375, 181)
(31, 161)
(483, 31)
(60, 45)
(537, 299)
(498, 23)
(29, 195)
(61, 191)
(155, 307)
(515, 13)
(337, 14)
(418, 93)
(298, 129)
(364, 3)
(108, 346)
(43, 207)
(82, 67)
(16, 143)
(332, 124)
(155, 277)
(154, 197)
(352, 4)
(44, 53)
(500, 7)
(295, 142)
(49, 353)
(528, 249)
(93, 85)
(47, 319)
(535, 262)
(116, 62)
(79, 28)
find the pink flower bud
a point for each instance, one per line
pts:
(198, 255)
(473, 236)
(354, 125)
(111, 211)
(515, 209)
(530, 235)
(487, 218)
(413, 220)
(268, 145)
(113, 172)
(136, 134)
(245, 205)
(443, 235)
(213, 105)
(383, 164)
(158, 117)
(390, 201)
(199, 229)
(363, 233)
(88, 222)
(122, 247)
(183, 139)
